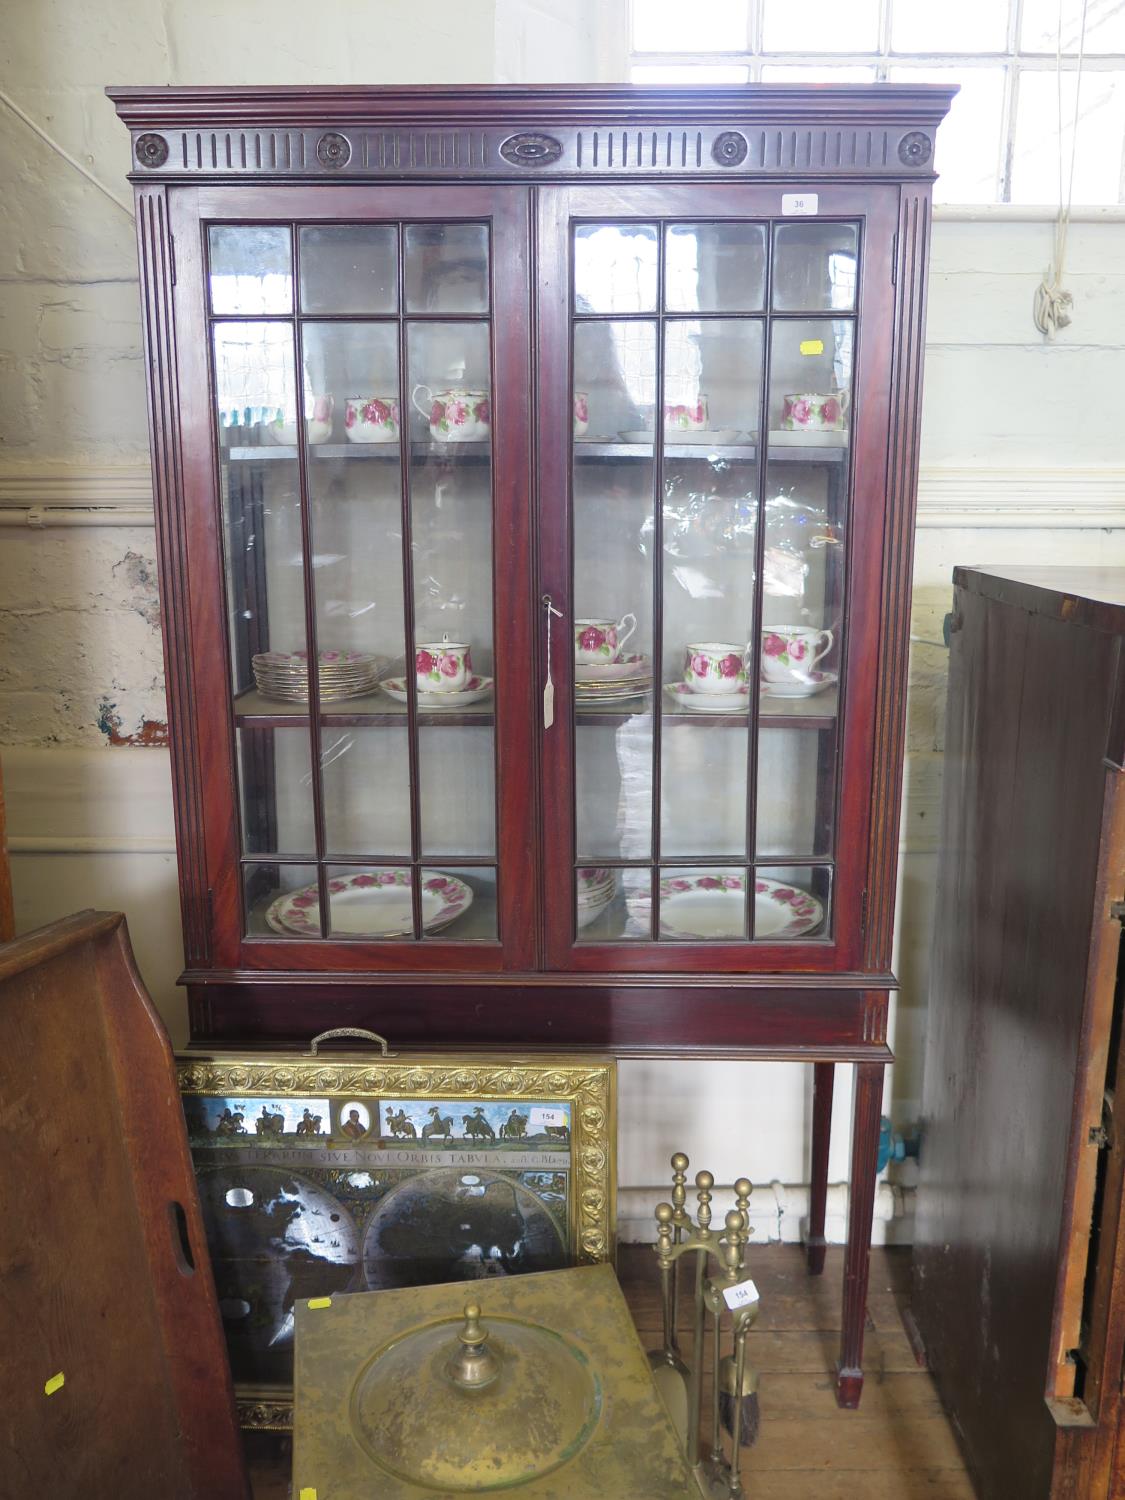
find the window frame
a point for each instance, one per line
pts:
(1013, 60)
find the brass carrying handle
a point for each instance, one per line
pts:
(352, 1031)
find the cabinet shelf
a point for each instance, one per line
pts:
(740, 453)
(583, 452)
(773, 713)
(372, 452)
(257, 711)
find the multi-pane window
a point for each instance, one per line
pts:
(1001, 142)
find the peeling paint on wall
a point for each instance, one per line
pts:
(80, 650)
(150, 734)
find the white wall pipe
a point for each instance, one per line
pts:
(40, 517)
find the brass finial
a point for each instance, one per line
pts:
(680, 1165)
(473, 1365)
(704, 1182)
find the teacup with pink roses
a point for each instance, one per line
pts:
(815, 411)
(600, 642)
(686, 416)
(371, 419)
(790, 652)
(716, 667)
(455, 416)
(443, 666)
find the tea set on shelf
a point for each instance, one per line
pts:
(716, 673)
(456, 415)
(814, 419)
(444, 676)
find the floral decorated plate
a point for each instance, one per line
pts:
(372, 903)
(629, 664)
(475, 689)
(711, 906)
(806, 687)
(708, 703)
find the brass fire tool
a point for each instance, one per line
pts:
(720, 1286)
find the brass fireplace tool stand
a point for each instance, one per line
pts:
(720, 1286)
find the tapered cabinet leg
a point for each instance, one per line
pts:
(824, 1075)
(861, 1206)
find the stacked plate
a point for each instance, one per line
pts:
(596, 889)
(612, 682)
(343, 674)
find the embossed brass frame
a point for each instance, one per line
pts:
(588, 1085)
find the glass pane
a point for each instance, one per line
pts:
(820, 26)
(814, 267)
(461, 918)
(703, 787)
(713, 376)
(715, 267)
(275, 786)
(365, 777)
(805, 512)
(810, 384)
(796, 783)
(457, 775)
(613, 904)
(688, 73)
(615, 390)
(376, 902)
(707, 26)
(613, 776)
(446, 268)
(712, 383)
(816, 73)
(615, 381)
(615, 268)
(703, 903)
(251, 268)
(261, 501)
(1101, 131)
(281, 901)
(1105, 26)
(792, 903)
(451, 540)
(955, 26)
(967, 152)
(349, 268)
(355, 489)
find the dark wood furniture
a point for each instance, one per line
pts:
(589, 274)
(1020, 1245)
(7, 913)
(114, 1379)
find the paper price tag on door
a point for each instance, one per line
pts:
(541, 1117)
(800, 203)
(740, 1295)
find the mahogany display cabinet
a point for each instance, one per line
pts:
(535, 476)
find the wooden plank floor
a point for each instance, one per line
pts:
(897, 1446)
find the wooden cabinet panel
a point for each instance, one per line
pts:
(1018, 1294)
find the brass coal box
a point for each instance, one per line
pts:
(535, 1383)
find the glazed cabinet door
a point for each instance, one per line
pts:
(354, 387)
(714, 420)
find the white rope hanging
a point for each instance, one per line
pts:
(1052, 302)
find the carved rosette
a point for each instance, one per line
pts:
(151, 149)
(531, 149)
(915, 149)
(729, 148)
(333, 150)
